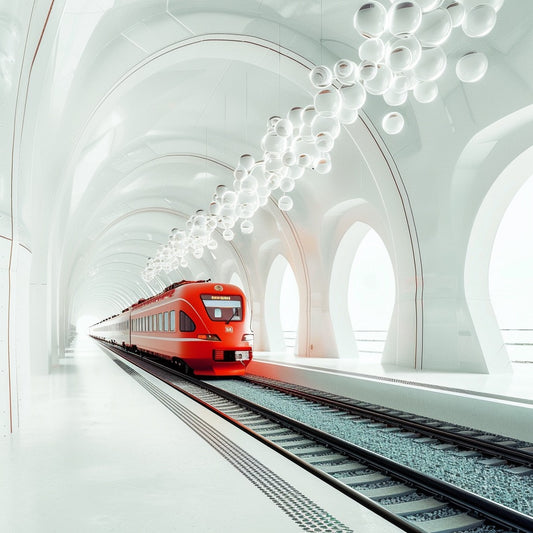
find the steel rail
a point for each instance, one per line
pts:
(271, 415)
(495, 513)
(512, 455)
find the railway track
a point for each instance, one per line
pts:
(498, 449)
(413, 501)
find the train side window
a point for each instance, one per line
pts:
(154, 322)
(186, 323)
(172, 320)
(149, 323)
(160, 321)
(166, 320)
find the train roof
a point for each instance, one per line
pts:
(167, 291)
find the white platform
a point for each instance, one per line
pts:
(498, 403)
(97, 453)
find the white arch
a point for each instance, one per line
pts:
(340, 274)
(346, 224)
(492, 150)
(343, 265)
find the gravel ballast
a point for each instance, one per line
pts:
(491, 482)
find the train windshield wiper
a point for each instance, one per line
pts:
(235, 313)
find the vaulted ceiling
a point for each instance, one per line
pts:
(135, 111)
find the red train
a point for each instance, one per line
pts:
(202, 327)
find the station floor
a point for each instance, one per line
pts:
(96, 452)
(498, 403)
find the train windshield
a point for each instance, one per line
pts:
(223, 308)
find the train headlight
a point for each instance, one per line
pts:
(208, 337)
(248, 337)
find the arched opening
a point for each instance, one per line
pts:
(511, 276)
(371, 294)
(289, 304)
(282, 303)
(362, 294)
(491, 351)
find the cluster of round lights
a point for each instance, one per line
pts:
(402, 48)
(401, 52)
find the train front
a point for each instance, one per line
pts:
(223, 338)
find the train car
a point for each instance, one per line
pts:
(201, 327)
(115, 329)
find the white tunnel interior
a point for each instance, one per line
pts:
(120, 118)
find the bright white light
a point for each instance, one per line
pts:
(370, 19)
(479, 21)
(392, 123)
(511, 275)
(83, 323)
(371, 289)
(511, 265)
(289, 305)
(472, 67)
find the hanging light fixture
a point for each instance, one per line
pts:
(401, 52)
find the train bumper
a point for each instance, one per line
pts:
(222, 363)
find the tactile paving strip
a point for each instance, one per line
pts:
(303, 511)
